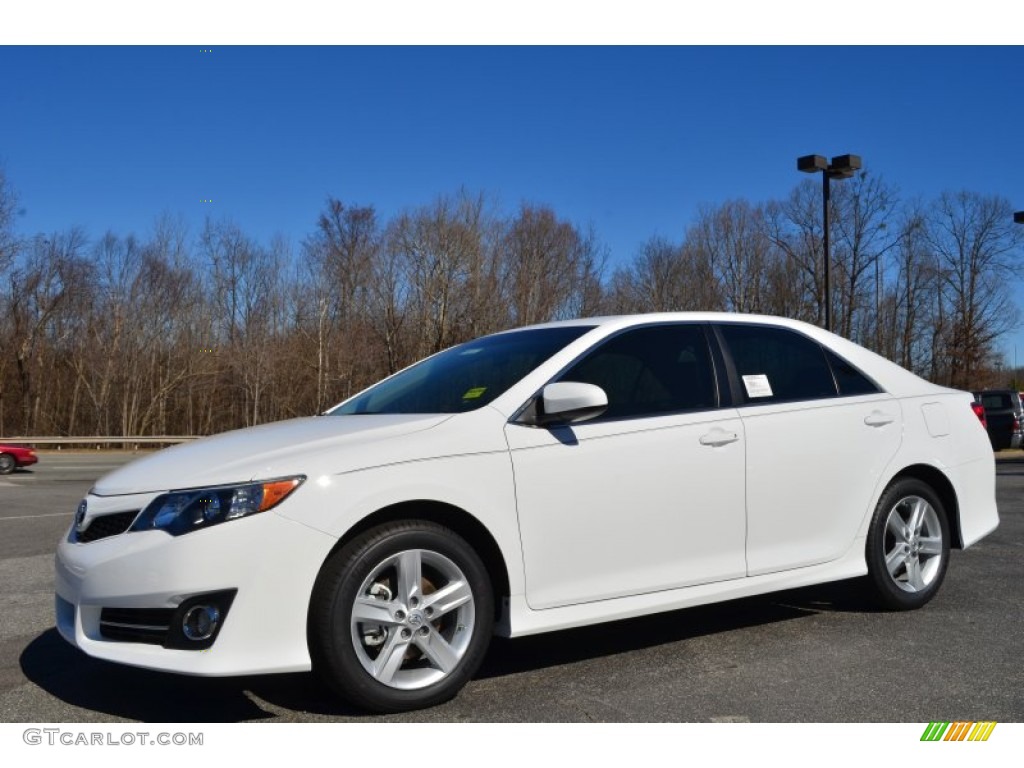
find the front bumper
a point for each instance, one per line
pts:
(271, 561)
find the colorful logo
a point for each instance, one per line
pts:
(958, 731)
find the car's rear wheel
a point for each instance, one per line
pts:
(908, 545)
(401, 617)
(7, 463)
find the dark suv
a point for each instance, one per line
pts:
(1005, 417)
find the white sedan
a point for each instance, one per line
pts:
(538, 479)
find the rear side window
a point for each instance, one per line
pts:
(849, 379)
(650, 371)
(777, 364)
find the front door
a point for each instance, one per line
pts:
(647, 497)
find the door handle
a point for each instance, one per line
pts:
(879, 419)
(717, 437)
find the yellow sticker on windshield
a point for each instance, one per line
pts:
(474, 393)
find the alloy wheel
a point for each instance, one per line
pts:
(412, 619)
(912, 545)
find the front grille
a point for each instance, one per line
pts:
(107, 525)
(136, 625)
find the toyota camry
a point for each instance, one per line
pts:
(533, 480)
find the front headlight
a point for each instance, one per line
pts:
(192, 509)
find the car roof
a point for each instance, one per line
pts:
(666, 317)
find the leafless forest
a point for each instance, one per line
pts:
(184, 332)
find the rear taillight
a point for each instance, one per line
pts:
(979, 411)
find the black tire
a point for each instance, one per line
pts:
(421, 636)
(907, 545)
(7, 463)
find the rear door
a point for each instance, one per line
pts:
(819, 434)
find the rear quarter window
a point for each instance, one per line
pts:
(849, 380)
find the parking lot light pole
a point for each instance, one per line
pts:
(1018, 217)
(841, 167)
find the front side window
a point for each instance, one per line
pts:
(465, 377)
(650, 371)
(777, 364)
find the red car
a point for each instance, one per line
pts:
(13, 456)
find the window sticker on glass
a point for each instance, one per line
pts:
(474, 393)
(757, 386)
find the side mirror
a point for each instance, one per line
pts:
(568, 402)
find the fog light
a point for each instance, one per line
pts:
(200, 622)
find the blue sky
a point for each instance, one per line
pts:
(628, 140)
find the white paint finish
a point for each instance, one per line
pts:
(935, 419)
(481, 484)
(975, 485)
(269, 450)
(525, 621)
(272, 562)
(812, 470)
(570, 396)
(625, 507)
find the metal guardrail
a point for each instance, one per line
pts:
(105, 440)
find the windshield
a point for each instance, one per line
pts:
(465, 377)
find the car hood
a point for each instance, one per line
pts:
(297, 446)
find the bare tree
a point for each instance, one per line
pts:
(8, 206)
(861, 210)
(447, 266)
(8, 248)
(340, 257)
(168, 333)
(794, 226)
(48, 279)
(545, 266)
(975, 244)
(388, 308)
(904, 306)
(245, 276)
(735, 238)
(665, 277)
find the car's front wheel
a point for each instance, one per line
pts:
(7, 463)
(908, 545)
(401, 617)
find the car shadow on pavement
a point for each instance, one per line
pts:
(572, 645)
(139, 694)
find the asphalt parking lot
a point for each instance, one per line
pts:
(811, 655)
